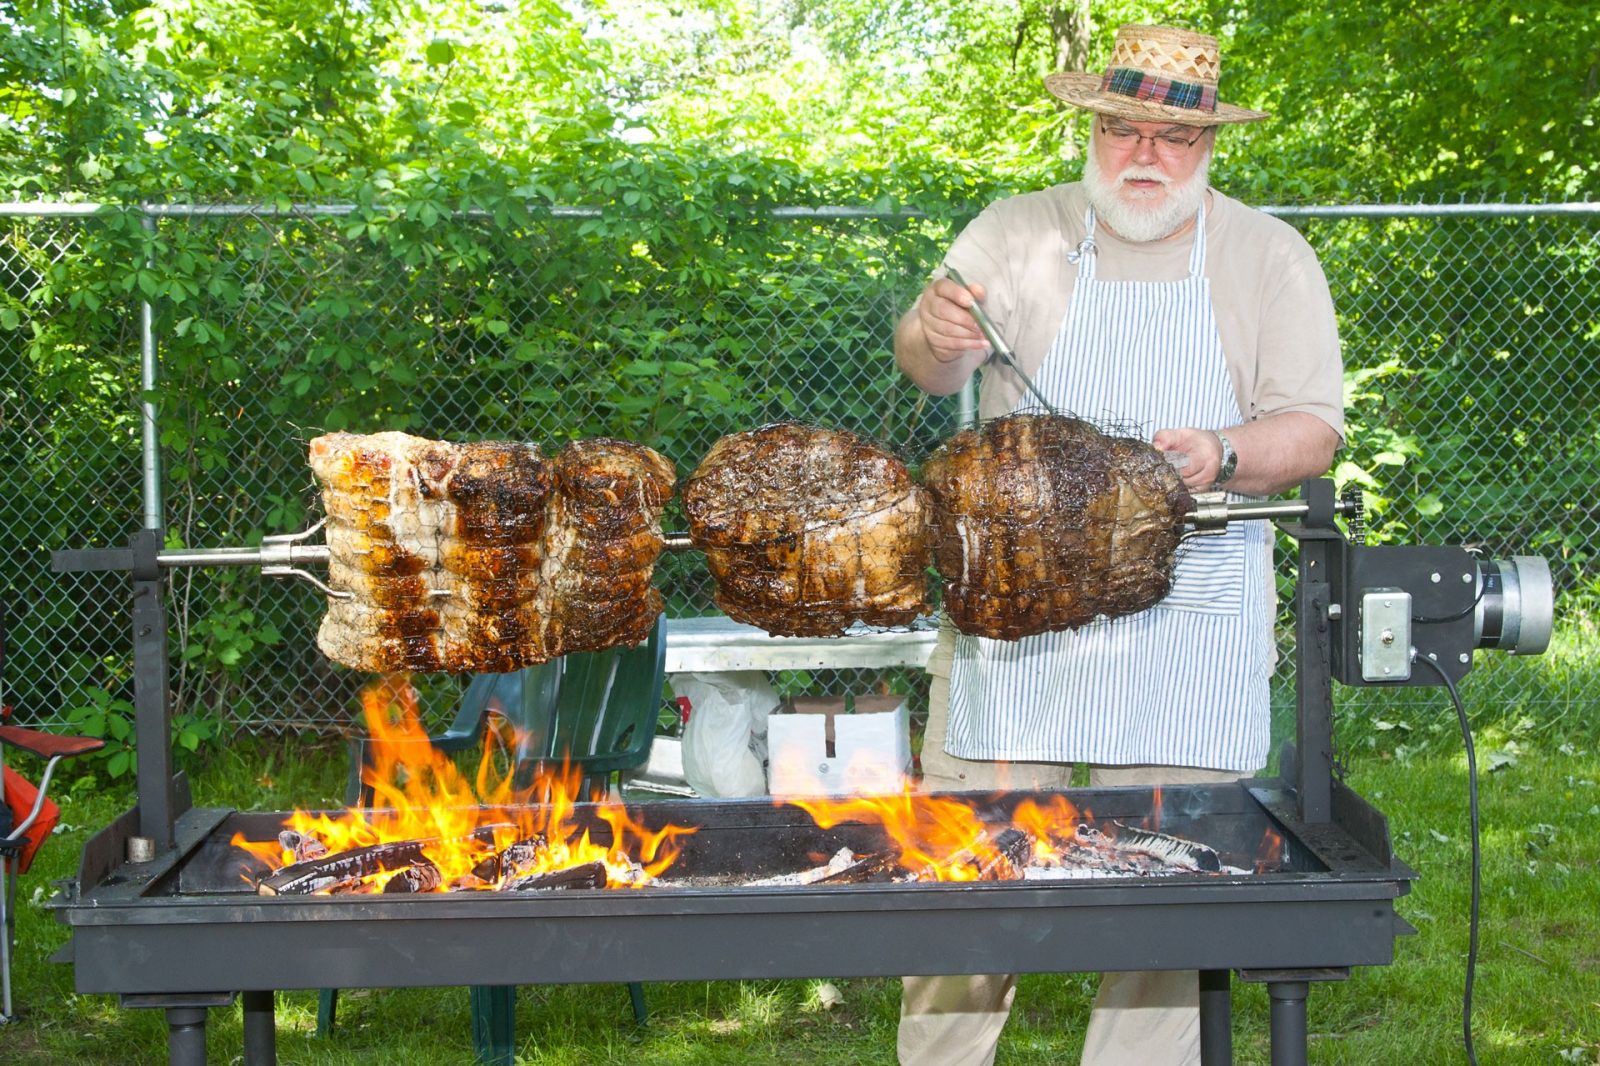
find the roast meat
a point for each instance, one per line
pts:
(808, 530)
(486, 556)
(1044, 523)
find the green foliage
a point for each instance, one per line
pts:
(111, 719)
(676, 129)
(1392, 100)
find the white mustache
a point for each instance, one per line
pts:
(1142, 173)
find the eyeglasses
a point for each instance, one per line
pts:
(1167, 143)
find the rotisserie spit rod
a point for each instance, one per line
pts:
(1212, 512)
(285, 554)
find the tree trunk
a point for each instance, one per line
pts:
(1070, 26)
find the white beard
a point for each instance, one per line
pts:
(1139, 215)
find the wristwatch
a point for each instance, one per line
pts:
(1230, 460)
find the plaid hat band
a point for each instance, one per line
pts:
(1155, 74)
(1144, 85)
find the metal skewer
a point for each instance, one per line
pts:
(1002, 350)
(284, 555)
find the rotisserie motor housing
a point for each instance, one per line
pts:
(1045, 523)
(807, 530)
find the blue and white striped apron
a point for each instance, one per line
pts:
(1185, 682)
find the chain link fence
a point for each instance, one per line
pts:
(1472, 337)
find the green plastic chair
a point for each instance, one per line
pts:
(592, 711)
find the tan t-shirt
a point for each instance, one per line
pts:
(1274, 312)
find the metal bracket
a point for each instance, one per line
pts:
(1210, 515)
(280, 552)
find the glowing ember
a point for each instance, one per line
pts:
(461, 823)
(1270, 853)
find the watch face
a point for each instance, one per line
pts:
(1230, 460)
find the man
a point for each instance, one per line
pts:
(1142, 297)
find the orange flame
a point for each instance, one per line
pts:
(942, 839)
(419, 794)
(1152, 820)
(1269, 853)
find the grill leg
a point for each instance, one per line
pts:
(186, 1036)
(1216, 1018)
(641, 1013)
(327, 1010)
(260, 1032)
(8, 880)
(1288, 1022)
(494, 1023)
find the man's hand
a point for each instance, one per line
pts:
(1275, 453)
(1201, 454)
(937, 343)
(945, 312)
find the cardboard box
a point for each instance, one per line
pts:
(819, 746)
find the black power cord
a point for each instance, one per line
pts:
(1477, 858)
(1468, 609)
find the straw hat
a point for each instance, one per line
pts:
(1157, 74)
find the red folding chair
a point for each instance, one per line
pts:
(27, 815)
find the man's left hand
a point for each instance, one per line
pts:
(1202, 455)
(1275, 453)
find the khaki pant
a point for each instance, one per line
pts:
(1139, 1019)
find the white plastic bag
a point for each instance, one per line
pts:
(725, 740)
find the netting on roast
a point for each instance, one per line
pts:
(808, 530)
(1045, 522)
(486, 556)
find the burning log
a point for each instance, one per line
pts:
(1004, 858)
(513, 860)
(1132, 852)
(1169, 849)
(844, 868)
(324, 872)
(587, 875)
(302, 847)
(870, 869)
(420, 876)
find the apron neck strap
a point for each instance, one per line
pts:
(1084, 257)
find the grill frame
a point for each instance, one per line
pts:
(136, 931)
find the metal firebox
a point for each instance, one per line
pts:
(184, 931)
(157, 932)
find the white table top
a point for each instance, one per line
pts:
(719, 644)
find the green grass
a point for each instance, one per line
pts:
(1537, 996)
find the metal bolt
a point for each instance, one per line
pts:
(1335, 610)
(1465, 658)
(141, 849)
(1436, 579)
(1466, 579)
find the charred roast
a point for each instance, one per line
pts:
(808, 530)
(1044, 523)
(486, 556)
